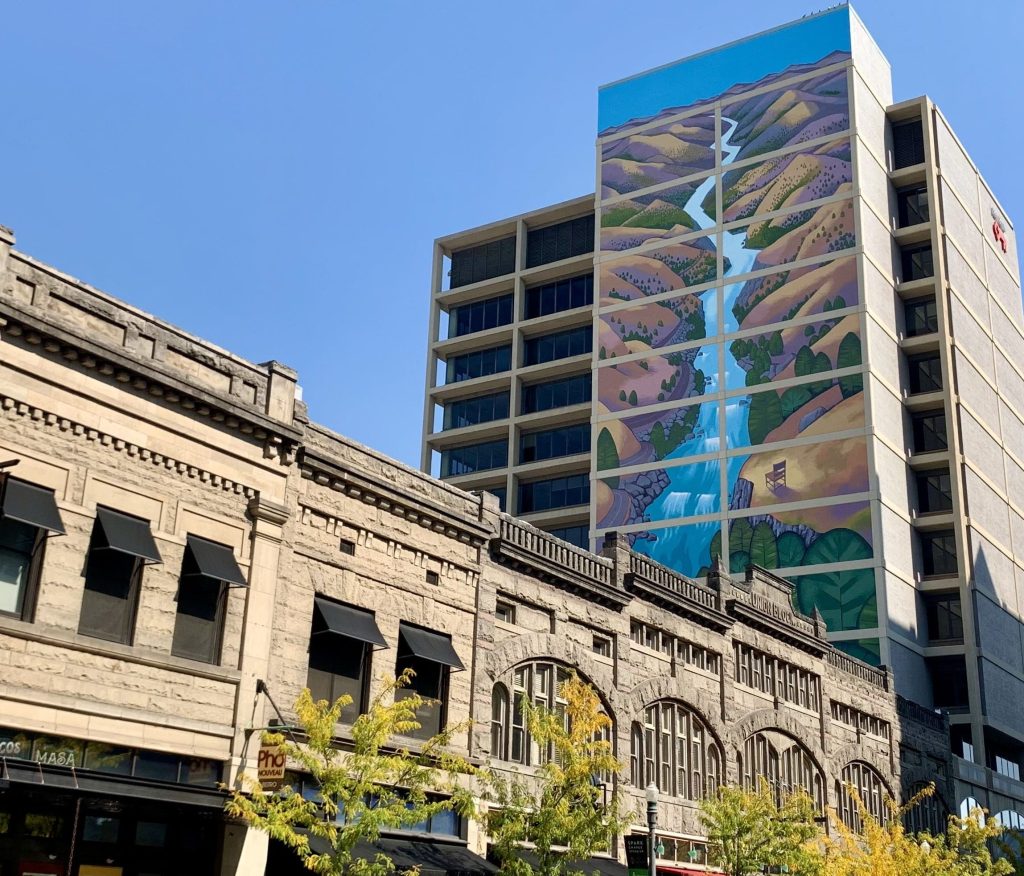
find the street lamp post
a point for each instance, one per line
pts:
(652, 827)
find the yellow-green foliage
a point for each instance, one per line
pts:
(377, 784)
(560, 809)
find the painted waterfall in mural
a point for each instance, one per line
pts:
(729, 325)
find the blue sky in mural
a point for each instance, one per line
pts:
(271, 176)
(710, 73)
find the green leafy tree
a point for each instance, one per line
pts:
(607, 455)
(848, 356)
(740, 533)
(632, 397)
(791, 550)
(748, 831)
(804, 362)
(763, 548)
(377, 785)
(562, 809)
(765, 415)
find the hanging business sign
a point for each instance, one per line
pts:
(636, 854)
(270, 765)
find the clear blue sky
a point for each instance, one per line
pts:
(271, 175)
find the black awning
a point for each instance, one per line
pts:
(22, 772)
(587, 866)
(344, 620)
(30, 504)
(129, 535)
(214, 561)
(430, 857)
(428, 645)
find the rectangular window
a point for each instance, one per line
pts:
(907, 144)
(119, 548)
(505, 612)
(575, 535)
(478, 316)
(474, 457)
(28, 514)
(561, 241)
(479, 363)
(207, 570)
(483, 262)
(431, 657)
(916, 262)
(949, 682)
(636, 632)
(560, 345)
(560, 295)
(553, 443)
(471, 411)
(563, 492)
(938, 553)
(929, 429)
(945, 619)
(912, 205)
(602, 645)
(921, 316)
(925, 373)
(651, 638)
(341, 642)
(934, 492)
(557, 393)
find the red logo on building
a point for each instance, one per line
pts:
(999, 234)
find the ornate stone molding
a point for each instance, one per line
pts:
(12, 407)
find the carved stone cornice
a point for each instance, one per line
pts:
(332, 473)
(673, 592)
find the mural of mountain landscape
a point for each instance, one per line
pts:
(677, 331)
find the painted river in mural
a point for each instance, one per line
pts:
(696, 489)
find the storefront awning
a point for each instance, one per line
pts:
(215, 561)
(428, 646)
(343, 620)
(431, 857)
(23, 772)
(30, 504)
(129, 535)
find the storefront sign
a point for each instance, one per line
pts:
(270, 767)
(636, 853)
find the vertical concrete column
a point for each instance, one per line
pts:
(281, 387)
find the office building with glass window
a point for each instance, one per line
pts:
(805, 353)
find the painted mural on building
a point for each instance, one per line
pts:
(730, 392)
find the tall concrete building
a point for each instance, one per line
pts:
(793, 339)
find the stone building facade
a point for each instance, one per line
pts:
(178, 541)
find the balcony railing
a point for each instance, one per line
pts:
(877, 677)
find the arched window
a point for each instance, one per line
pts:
(930, 815)
(870, 789)
(784, 763)
(539, 683)
(675, 750)
(499, 722)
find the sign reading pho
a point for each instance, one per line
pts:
(270, 767)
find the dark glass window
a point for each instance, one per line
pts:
(912, 205)
(199, 621)
(934, 491)
(475, 457)
(561, 241)
(556, 393)
(577, 535)
(483, 262)
(552, 443)
(907, 144)
(929, 431)
(945, 620)
(339, 665)
(949, 682)
(925, 372)
(938, 553)
(479, 363)
(479, 316)
(19, 544)
(921, 316)
(560, 345)
(560, 295)
(563, 492)
(470, 411)
(111, 595)
(916, 262)
(431, 682)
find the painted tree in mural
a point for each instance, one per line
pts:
(847, 357)
(607, 455)
(570, 808)
(845, 599)
(377, 785)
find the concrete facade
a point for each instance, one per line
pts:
(871, 461)
(109, 407)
